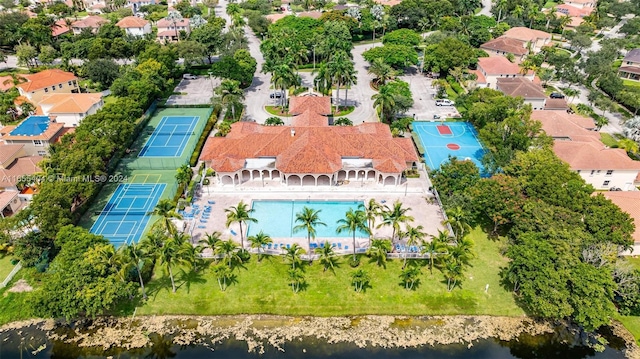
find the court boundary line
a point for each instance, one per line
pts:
(179, 152)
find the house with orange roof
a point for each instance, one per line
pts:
(6, 83)
(536, 38)
(312, 14)
(135, 26)
(92, 22)
(390, 3)
(48, 82)
(502, 46)
(577, 144)
(628, 201)
(532, 93)
(490, 69)
(275, 17)
(309, 152)
(15, 167)
(575, 13)
(168, 31)
(35, 133)
(59, 28)
(70, 109)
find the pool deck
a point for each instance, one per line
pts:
(413, 194)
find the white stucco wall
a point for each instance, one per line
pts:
(619, 178)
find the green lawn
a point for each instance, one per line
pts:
(344, 111)
(110, 99)
(632, 324)
(631, 83)
(550, 4)
(608, 140)
(262, 287)
(275, 110)
(5, 266)
(15, 306)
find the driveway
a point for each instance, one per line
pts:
(257, 95)
(194, 92)
(424, 104)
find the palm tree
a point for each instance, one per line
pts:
(564, 21)
(293, 254)
(458, 220)
(239, 214)
(166, 210)
(174, 17)
(517, 11)
(296, 279)
(382, 72)
(323, 80)
(135, 256)
(183, 175)
(501, 5)
(424, 24)
(409, 276)
(228, 250)
(210, 240)
(309, 219)
(453, 273)
(230, 94)
(372, 211)
(550, 15)
(258, 241)
(174, 251)
(414, 236)
(394, 217)
(349, 78)
(360, 279)
(327, 257)
(378, 251)
(339, 66)
(353, 222)
(571, 93)
(233, 9)
(461, 252)
(628, 145)
(283, 76)
(223, 274)
(437, 245)
(384, 101)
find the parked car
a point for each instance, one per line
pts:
(189, 77)
(556, 95)
(444, 102)
(276, 95)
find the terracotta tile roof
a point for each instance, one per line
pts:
(628, 201)
(388, 2)
(506, 44)
(479, 76)
(582, 1)
(557, 118)
(59, 27)
(71, 102)
(164, 23)
(320, 105)
(498, 65)
(6, 197)
(6, 83)
(46, 78)
(93, 22)
(556, 104)
(520, 87)
(573, 11)
(275, 17)
(166, 33)
(525, 34)
(8, 151)
(310, 148)
(23, 166)
(312, 14)
(132, 22)
(593, 156)
(632, 56)
(309, 118)
(64, 131)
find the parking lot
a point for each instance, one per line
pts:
(194, 92)
(424, 104)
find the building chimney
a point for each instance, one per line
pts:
(293, 132)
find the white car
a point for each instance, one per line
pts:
(444, 102)
(189, 77)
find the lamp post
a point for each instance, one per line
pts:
(362, 176)
(314, 57)
(211, 81)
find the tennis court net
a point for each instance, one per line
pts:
(121, 213)
(177, 133)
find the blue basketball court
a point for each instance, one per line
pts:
(125, 217)
(443, 139)
(170, 137)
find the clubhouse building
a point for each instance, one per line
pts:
(310, 152)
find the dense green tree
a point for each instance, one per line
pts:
(327, 257)
(607, 222)
(209, 35)
(101, 71)
(230, 95)
(448, 54)
(360, 280)
(395, 216)
(259, 241)
(396, 56)
(405, 37)
(165, 209)
(455, 177)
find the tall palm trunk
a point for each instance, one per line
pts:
(241, 234)
(144, 295)
(338, 96)
(354, 245)
(173, 284)
(346, 95)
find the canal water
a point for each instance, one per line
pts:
(31, 342)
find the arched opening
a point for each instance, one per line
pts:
(342, 175)
(256, 174)
(324, 180)
(275, 174)
(389, 181)
(245, 175)
(371, 175)
(293, 180)
(308, 180)
(226, 180)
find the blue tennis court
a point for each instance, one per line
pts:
(443, 139)
(170, 137)
(126, 214)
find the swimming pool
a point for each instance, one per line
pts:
(277, 218)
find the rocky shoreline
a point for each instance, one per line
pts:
(259, 331)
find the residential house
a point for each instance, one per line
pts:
(536, 38)
(169, 31)
(312, 14)
(15, 167)
(503, 46)
(490, 69)
(576, 13)
(577, 144)
(92, 22)
(533, 94)
(309, 152)
(70, 109)
(6, 83)
(275, 17)
(628, 201)
(135, 5)
(48, 82)
(390, 3)
(556, 104)
(36, 134)
(59, 27)
(135, 26)
(581, 4)
(630, 68)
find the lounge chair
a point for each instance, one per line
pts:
(233, 233)
(202, 227)
(211, 202)
(269, 246)
(346, 248)
(203, 221)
